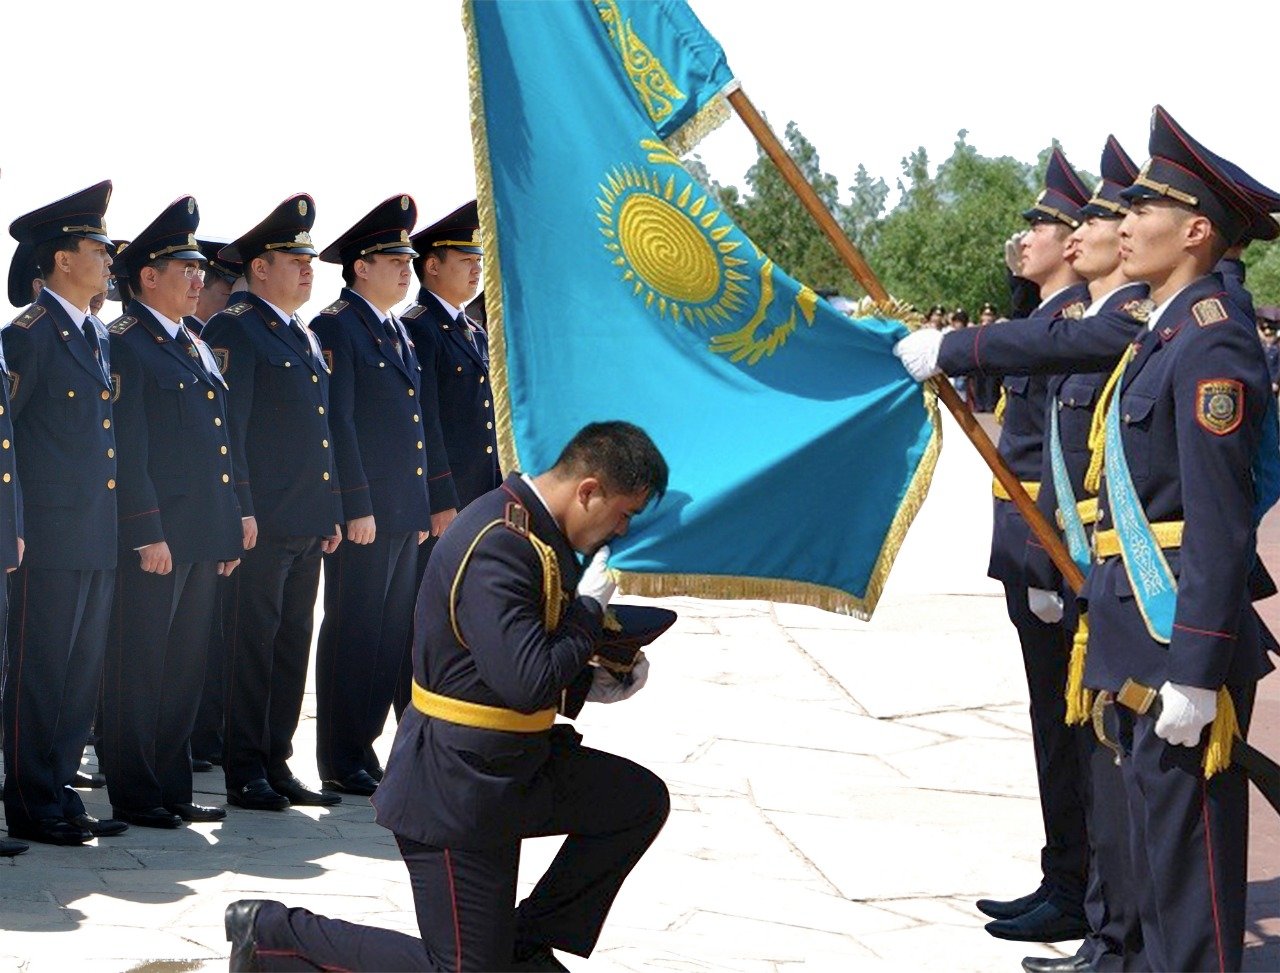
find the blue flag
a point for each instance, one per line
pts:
(618, 288)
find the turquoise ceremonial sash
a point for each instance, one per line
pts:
(1154, 587)
(1072, 526)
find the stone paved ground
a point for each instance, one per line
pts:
(842, 792)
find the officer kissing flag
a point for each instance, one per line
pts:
(618, 288)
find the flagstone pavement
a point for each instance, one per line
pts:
(842, 791)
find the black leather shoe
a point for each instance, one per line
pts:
(239, 921)
(148, 817)
(359, 783)
(299, 793)
(84, 781)
(197, 812)
(50, 831)
(1056, 964)
(257, 795)
(1046, 923)
(375, 773)
(99, 828)
(199, 766)
(9, 847)
(1011, 908)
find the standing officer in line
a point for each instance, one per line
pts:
(1068, 497)
(1055, 908)
(456, 351)
(206, 738)
(180, 525)
(59, 367)
(1186, 464)
(11, 533)
(287, 484)
(386, 460)
(506, 622)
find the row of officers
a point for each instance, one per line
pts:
(170, 488)
(1139, 414)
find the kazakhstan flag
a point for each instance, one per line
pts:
(617, 288)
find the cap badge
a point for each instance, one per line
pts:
(302, 209)
(191, 205)
(404, 202)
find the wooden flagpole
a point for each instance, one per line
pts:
(857, 264)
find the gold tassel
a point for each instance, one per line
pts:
(1079, 699)
(1098, 427)
(999, 413)
(1222, 736)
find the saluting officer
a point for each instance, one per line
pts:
(506, 623)
(387, 449)
(59, 365)
(287, 484)
(180, 525)
(1186, 469)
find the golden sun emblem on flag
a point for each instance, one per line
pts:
(680, 253)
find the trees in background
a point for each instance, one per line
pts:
(942, 241)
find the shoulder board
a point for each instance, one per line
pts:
(413, 313)
(1209, 311)
(516, 519)
(121, 325)
(238, 309)
(335, 307)
(1140, 310)
(28, 317)
(1074, 310)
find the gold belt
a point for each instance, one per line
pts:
(1168, 534)
(478, 715)
(1086, 509)
(1032, 487)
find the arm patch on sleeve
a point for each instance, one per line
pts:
(1220, 405)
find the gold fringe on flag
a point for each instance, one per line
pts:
(707, 119)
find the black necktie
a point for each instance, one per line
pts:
(184, 341)
(465, 326)
(393, 335)
(91, 336)
(298, 333)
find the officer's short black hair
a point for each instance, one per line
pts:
(619, 454)
(45, 251)
(420, 261)
(349, 272)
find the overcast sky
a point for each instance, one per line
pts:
(244, 102)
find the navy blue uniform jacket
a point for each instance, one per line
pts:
(454, 785)
(176, 480)
(66, 446)
(278, 403)
(460, 377)
(387, 461)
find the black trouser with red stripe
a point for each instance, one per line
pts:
(1190, 840)
(611, 810)
(364, 642)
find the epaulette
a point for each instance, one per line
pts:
(516, 519)
(1140, 309)
(335, 307)
(1209, 311)
(121, 325)
(1074, 310)
(28, 317)
(238, 309)
(413, 313)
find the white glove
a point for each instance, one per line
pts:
(1184, 712)
(606, 688)
(1013, 252)
(1045, 605)
(596, 582)
(918, 353)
